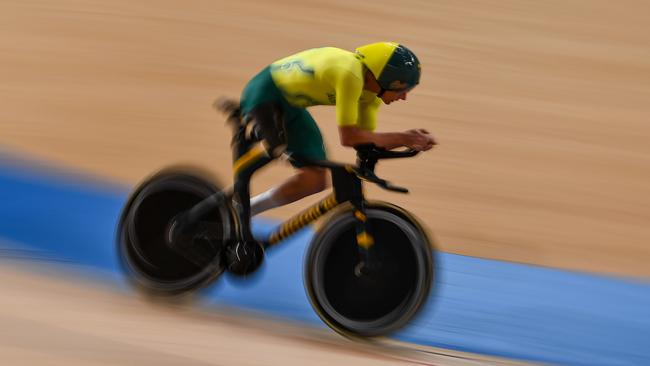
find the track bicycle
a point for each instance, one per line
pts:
(369, 267)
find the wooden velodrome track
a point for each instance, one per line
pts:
(540, 109)
(54, 322)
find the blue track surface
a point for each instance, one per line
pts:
(480, 306)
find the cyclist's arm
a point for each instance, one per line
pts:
(352, 136)
(362, 131)
(348, 91)
(356, 123)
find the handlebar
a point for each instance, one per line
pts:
(367, 157)
(371, 151)
(370, 176)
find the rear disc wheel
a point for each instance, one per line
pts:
(152, 265)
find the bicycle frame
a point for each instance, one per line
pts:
(250, 154)
(347, 187)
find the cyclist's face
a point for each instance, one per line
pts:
(391, 96)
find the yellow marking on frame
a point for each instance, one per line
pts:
(359, 215)
(249, 157)
(303, 219)
(330, 202)
(365, 240)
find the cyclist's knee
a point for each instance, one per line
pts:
(315, 178)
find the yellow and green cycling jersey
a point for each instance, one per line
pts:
(320, 76)
(328, 76)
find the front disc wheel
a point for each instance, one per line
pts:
(369, 303)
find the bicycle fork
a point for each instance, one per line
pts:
(348, 187)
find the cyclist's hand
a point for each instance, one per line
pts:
(420, 139)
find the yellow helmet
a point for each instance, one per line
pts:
(394, 66)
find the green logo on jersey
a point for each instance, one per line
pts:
(294, 65)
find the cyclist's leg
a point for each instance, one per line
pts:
(263, 101)
(261, 109)
(304, 139)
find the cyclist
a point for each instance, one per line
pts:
(355, 82)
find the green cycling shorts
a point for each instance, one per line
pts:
(303, 135)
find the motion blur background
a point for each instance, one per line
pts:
(540, 108)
